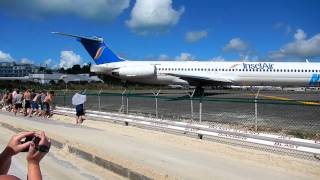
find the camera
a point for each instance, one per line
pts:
(34, 139)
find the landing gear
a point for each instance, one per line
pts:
(199, 91)
(124, 84)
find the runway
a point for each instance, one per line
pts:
(276, 110)
(166, 156)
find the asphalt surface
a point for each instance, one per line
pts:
(166, 156)
(276, 110)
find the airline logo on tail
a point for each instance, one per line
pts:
(99, 52)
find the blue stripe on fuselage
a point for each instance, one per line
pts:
(315, 79)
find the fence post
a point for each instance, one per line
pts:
(256, 110)
(156, 98)
(64, 98)
(99, 100)
(191, 102)
(200, 110)
(122, 101)
(127, 103)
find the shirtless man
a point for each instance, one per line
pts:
(35, 104)
(46, 104)
(27, 99)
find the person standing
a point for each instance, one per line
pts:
(27, 102)
(17, 102)
(35, 104)
(42, 97)
(46, 104)
(80, 113)
(78, 100)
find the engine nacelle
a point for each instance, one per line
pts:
(135, 71)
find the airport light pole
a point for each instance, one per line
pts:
(155, 94)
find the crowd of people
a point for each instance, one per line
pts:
(28, 102)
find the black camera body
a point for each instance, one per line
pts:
(34, 139)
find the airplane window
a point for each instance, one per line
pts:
(309, 70)
(205, 69)
(222, 69)
(316, 70)
(232, 69)
(298, 70)
(191, 69)
(239, 69)
(284, 70)
(280, 70)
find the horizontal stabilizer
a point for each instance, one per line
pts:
(98, 39)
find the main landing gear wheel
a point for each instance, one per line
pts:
(199, 91)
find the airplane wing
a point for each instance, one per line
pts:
(195, 80)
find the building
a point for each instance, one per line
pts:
(12, 69)
(66, 78)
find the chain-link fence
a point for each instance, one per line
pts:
(237, 109)
(287, 113)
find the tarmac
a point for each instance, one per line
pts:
(143, 154)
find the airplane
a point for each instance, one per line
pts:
(198, 73)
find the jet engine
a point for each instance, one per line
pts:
(135, 71)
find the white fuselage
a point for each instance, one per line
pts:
(239, 73)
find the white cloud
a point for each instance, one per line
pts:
(283, 27)
(217, 58)
(47, 62)
(300, 47)
(26, 61)
(5, 57)
(101, 10)
(153, 16)
(68, 59)
(164, 57)
(194, 36)
(300, 35)
(235, 44)
(185, 57)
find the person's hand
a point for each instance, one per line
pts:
(35, 154)
(14, 146)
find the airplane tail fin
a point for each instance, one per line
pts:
(97, 49)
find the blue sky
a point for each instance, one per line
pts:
(222, 30)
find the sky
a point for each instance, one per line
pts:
(178, 30)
